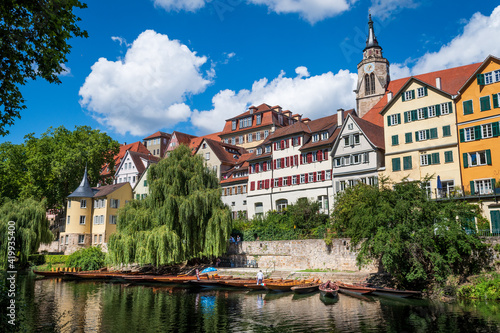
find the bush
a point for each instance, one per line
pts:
(36, 259)
(56, 259)
(88, 259)
(485, 288)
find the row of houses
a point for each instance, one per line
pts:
(443, 124)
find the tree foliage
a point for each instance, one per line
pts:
(52, 166)
(31, 228)
(183, 216)
(418, 240)
(87, 259)
(33, 43)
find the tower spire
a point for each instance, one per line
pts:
(371, 41)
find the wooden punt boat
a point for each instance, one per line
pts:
(178, 278)
(390, 292)
(306, 287)
(282, 286)
(354, 289)
(329, 289)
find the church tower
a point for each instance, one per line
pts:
(373, 74)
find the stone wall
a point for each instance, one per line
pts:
(299, 254)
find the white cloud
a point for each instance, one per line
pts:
(121, 40)
(383, 9)
(177, 5)
(310, 10)
(66, 71)
(147, 88)
(313, 96)
(479, 39)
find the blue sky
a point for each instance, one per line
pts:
(188, 65)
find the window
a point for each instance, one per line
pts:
(485, 103)
(285, 181)
(469, 134)
(394, 119)
(294, 180)
(233, 141)
(266, 134)
(82, 219)
(408, 117)
(310, 177)
(486, 131)
(422, 135)
(350, 126)
(408, 138)
(259, 208)
(258, 119)
(115, 203)
(278, 163)
(468, 107)
(244, 190)
(302, 178)
(424, 159)
(347, 141)
(69, 203)
(396, 164)
(427, 187)
(259, 151)
(66, 240)
(446, 130)
(347, 160)
(250, 137)
(68, 219)
(477, 158)
(408, 95)
(483, 186)
(421, 113)
(83, 203)
(318, 176)
(395, 140)
(276, 182)
(241, 139)
(356, 158)
(323, 202)
(100, 238)
(244, 202)
(81, 239)
(281, 205)
(448, 156)
(356, 139)
(314, 157)
(112, 219)
(268, 148)
(431, 111)
(315, 138)
(95, 238)
(421, 92)
(433, 133)
(233, 203)
(257, 136)
(324, 135)
(407, 163)
(338, 162)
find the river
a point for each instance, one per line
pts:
(55, 305)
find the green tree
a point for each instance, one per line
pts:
(88, 259)
(418, 240)
(182, 218)
(33, 43)
(52, 166)
(31, 228)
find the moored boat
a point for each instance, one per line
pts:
(354, 289)
(49, 273)
(329, 289)
(390, 292)
(281, 286)
(306, 287)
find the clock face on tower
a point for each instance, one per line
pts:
(369, 67)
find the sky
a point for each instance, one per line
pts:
(188, 65)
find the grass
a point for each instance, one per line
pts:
(48, 267)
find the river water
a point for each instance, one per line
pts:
(55, 305)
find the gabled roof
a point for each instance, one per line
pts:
(196, 142)
(329, 124)
(108, 189)
(220, 150)
(374, 133)
(135, 146)
(242, 165)
(138, 157)
(183, 138)
(261, 108)
(452, 80)
(158, 134)
(477, 71)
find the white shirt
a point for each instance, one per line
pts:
(260, 276)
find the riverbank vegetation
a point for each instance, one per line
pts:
(419, 241)
(183, 216)
(482, 287)
(302, 220)
(87, 259)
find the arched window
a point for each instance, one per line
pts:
(367, 84)
(372, 83)
(281, 204)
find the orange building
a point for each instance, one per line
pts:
(478, 116)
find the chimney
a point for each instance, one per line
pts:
(389, 96)
(438, 82)
(340, 117)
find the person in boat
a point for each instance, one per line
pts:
(260, 277)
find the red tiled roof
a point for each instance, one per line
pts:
(374, 132)
(452, 80)
(196, 142)
(322, 124)
(157, 135)
(136, 146)
(220, 150)
(136, 157)
(183, 138)
(108, 189)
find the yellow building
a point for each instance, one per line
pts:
(92, 214)
(478, 116)
(421, 137)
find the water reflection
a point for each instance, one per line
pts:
(53, 305)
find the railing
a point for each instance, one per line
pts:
(464, 192)
(488, 233)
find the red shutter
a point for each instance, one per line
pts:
(289, 180)
(290, 161)
(319, 155)
(266, 184)
(296, 159)
(257, 168)
(288, 142)
(306, 178)
(314, 176)
(299, 140)
(274, 146)
(264, 166)
(322, 175)
(274, 162)
(272, 182)
(325, 154)
(301, 159)
(309, 157)
(280, 182)
(252, 186)
(282, 144)
(282, 162)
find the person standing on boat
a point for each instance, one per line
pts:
(260, 277)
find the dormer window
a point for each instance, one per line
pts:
(233, 127)
(259, 151)
(204, 146)
(315, 138)
(268, 149)
(324, 136)
(258, 119)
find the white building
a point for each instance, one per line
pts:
(132, 166)
(235, 188)
(358, 153)
(294, 162)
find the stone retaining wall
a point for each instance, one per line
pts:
(299, 254)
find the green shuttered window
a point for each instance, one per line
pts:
(485, 103)
(468, 107)
(446, 130)
(395, 140)
(448, 156)
(396, 164)
(407, 163)
(408, 138)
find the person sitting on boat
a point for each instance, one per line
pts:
(260, 277)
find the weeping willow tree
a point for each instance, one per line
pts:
(182, 218)
(30, 228)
